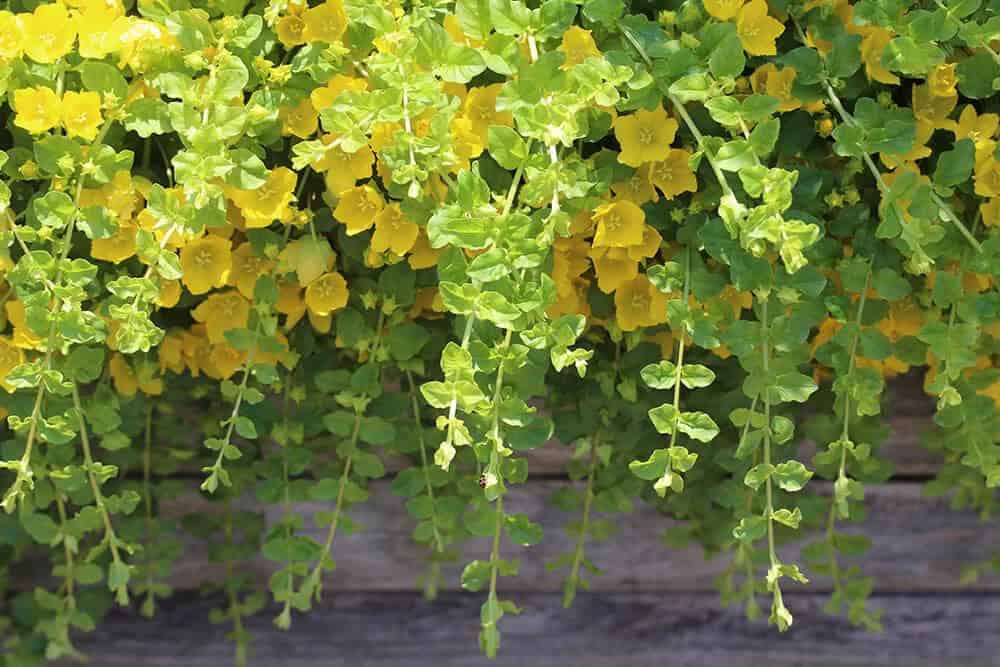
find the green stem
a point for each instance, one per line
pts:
(438, 541)
(588, 499)
(149, 607)
(121, 593)
(235, 610)
(69, 580)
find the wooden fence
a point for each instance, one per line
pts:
(653, 606)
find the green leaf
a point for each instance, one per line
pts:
(955, 166)
(698, 425)
(791, 386)
(475, 575)
(890, 285)
(103, 78)
(664, 418)
(653, 467)
(661, 375)
(53, 209)
(792, 475)
(845, 57)
(790, 518)
(912, 58)
(507, 147)
(474, 18)
(694, 376)
(727, 59)
(758, 475)
(521, 530)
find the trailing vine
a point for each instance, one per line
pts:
(425, 239)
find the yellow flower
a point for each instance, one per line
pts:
(481, 109)
(987, 178)
(290, 303)
(290, 30)
(269, 202)
(206, 263)
(649, 245)
(116, 248)
(37, 109)
(94, 23)
(942, 80)
(308, 258)
(873, 45)
(327, 294)
(991, 212)
(81, 114)
(122, 376)
(24, 338)
(979, 128)
(343, 169)
(221, 312)
(636, 189)
(769, 80)
(905, 318)
(10, 358)
(325, 23)
(324, 96)
(222, 361)
(49, 33)
(302, 120)
(619, 224)
(170, 293)
(639, 304)
(358, 207)
(170, 353)
(578, 45)
(394, 231)
(11, 35)
(673, 174)
(645, 136)
(723, 10)
(933, 109)
(465, 141)
(614, 267)
(758, 31)
(247, 268)
(422, 255)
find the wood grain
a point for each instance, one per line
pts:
(919, 545)
(600, 630)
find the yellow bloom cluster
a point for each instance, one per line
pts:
(39, 110)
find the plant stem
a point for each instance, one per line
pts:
(438, 541)
(121, 593)
(588, 498)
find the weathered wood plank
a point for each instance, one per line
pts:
(919, 545)
(600, 630)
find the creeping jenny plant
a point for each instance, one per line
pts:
(328, 237)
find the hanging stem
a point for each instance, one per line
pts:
(121, 592)
(588, 499)
(235, 611)
(149, 606)
(438, 541)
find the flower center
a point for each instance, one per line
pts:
(613, 222)
(646, 136)
(204, 258)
